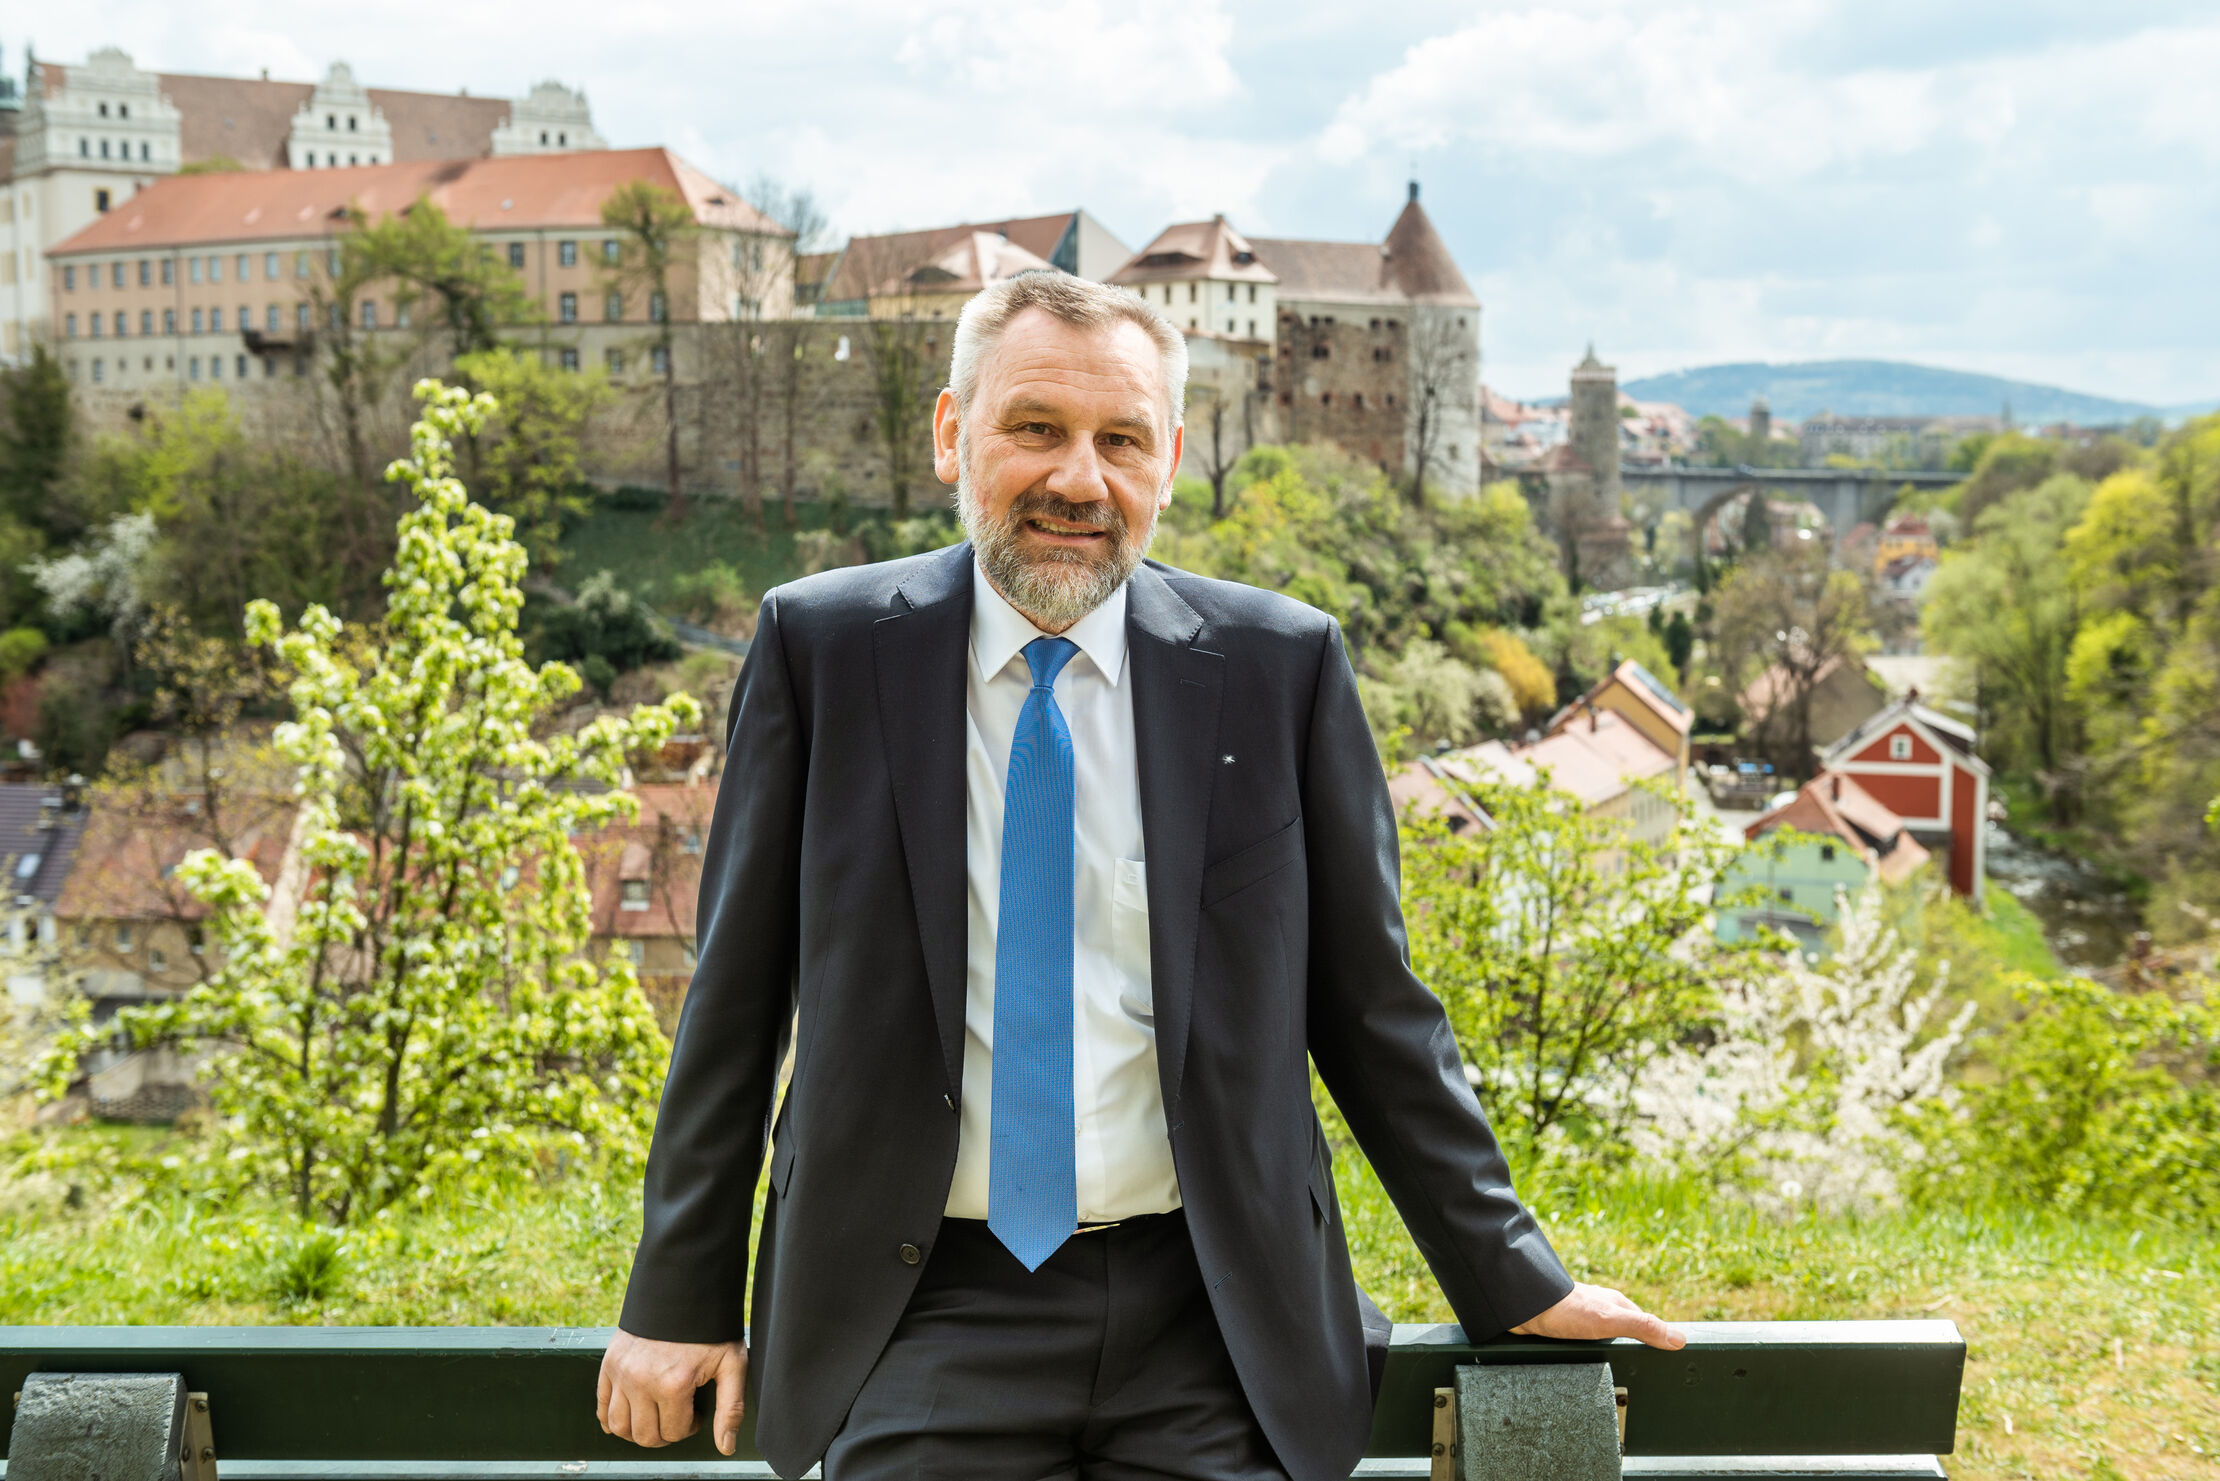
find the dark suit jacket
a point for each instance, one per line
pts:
(833, 879)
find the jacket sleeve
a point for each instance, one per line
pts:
(689, 1278)
(1382, 1042)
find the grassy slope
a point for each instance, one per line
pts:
(2042, 1299)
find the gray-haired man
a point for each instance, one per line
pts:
(1072, 865)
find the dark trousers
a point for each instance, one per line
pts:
(1105, 1364)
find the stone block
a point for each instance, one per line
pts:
(98, 1427)
(1535, 1422)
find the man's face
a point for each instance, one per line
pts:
(1062, 462)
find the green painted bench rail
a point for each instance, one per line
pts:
(366, 1396)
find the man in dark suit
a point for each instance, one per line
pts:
(1063, 868)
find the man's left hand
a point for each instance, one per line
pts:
(1597, 1313)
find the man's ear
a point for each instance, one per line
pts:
(1171, 474)
(947, 421)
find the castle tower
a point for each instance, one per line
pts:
(1761, 421)
(1594, 432)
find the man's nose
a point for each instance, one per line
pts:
(1077, 474)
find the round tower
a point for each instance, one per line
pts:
(1761, 421)
(1594, 432)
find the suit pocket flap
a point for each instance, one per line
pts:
(1236, 872)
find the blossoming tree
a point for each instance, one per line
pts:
(417, 1004)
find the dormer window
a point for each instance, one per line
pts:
(123, 110)
(351, 123)
(331, 122)
(1244, 258)
(104, 110)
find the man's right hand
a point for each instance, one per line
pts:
(647, 1389)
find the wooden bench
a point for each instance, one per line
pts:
(1877, 1400)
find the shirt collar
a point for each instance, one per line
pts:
(999, 631)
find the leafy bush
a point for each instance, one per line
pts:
(609, 623)
(21, 648)
(2093, 1100)
(713, 595)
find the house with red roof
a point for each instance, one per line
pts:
(1923, 765)
(1832, 839)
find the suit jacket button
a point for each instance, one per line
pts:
(911, 1254)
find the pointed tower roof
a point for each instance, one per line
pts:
(1419, 263)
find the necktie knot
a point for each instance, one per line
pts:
(1046, 657)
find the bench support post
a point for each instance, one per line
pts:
(1537, 1422)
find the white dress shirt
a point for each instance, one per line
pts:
(1124, 1158)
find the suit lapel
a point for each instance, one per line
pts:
(1177, 689)
(919, 653)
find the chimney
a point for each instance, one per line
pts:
(1835, 786)
(1414, 192)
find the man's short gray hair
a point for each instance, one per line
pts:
(1075, 301)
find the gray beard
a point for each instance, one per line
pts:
(1055, 587)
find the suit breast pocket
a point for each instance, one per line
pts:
(1129, 940)
(1252, 865)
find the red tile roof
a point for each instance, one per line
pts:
(662, 849)
(1832, 805)
(514, 193)
(875, 260)
(1412, 266)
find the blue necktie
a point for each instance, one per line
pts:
(1032, 1183)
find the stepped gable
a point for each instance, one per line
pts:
(250, 119)
(1418, 261)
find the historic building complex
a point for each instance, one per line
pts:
(88, 138)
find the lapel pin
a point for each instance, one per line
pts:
(1227, 758)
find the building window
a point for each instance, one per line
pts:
(146, 272)
(658, 310)
(269, 367)
(369, 313)
(270, 319)
(612, 251)
(1900, 746)
(239, 366)
(612, 307)
(126, 939)
(146, 151)
(569, 357)
(100, 202)
(215, 321)
(115, 273)
(1252, 329)
(401, 314)
(300, 317)
(516, 255)
(169, 321)
(96, 326)
(146, 322)
(157, 960)
(659, 359)
(246, 267)
(1319, 351)
(1826, 853)
(635, 895)
(192, 368)
(69, 326)
(614, 360)
(215, 367)
(1252, 297)
(566, 253)
(1787, 893)
(96, 368)
(215, 268)
(270, 266)
(169, 271)
(300, 263)
(567, 308)
(245, 321)
(192, 269)
(69, 280)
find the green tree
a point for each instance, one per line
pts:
(1568, 951)
(418, 1008)
(657, 228)
(38, 427)
(525, 464)
(434, 263)
(2006, 606)
(1790, 615)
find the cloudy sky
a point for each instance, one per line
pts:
(2026, 187)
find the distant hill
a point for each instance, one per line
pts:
(1875, 388)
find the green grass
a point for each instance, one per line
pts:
(2042, 1299)
(644, 552)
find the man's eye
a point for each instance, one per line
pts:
(1035, 429)
(1118, 439)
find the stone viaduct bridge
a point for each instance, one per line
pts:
(1847, 497)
